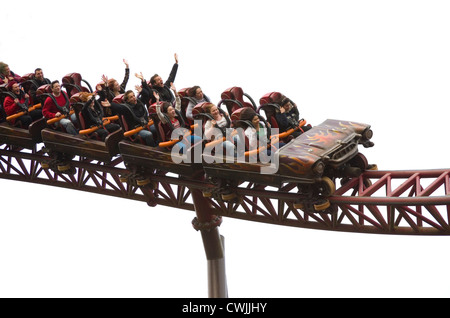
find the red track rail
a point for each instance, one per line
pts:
(382, 202)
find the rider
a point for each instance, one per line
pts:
(93, 115)
(57, 105)
(288, 118)
(138, 117)
(18, 101)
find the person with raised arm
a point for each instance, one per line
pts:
(163, 88)
(112, 86)
(93, 115)
(113, 89)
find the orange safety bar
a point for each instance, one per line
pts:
(275, 138)
(220, 140)
(169, 143)
(111, 118)
(135, 130)
(289, 131)
(56, 119)
(88, 130)
(17, 115)
(215, 142)
(172, 142)
(106, 121)
(254, 151)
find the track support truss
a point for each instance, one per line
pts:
(381, 202)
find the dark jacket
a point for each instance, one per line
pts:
(165, 93)
(92, 117)
(34, 87)
(138, 115)
(288, 119)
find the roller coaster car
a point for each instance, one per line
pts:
(14, 134)
(85, 144)
(312, 160)
(138, 156)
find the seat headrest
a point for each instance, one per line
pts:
(118, 99)
(273, 97)
(238, 93)
(200, 108)
(236, 115)
(184, 91)
(234, 98)
(28, 76)
(47, 88)
(72, 78)
(233, 93)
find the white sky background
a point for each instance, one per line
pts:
(386, 63)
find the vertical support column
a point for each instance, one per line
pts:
(213, 242)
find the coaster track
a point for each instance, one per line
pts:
(380, 202)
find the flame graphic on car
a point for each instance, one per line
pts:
(351, 124)
(322, 137)
(345, 126)
(297, 165)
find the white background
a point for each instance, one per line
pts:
(386, 63)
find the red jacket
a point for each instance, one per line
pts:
(49, 110)
(11, 107)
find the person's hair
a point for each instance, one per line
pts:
(38, 69)
(152, 79)
(11, 84)
(192, 91)
(3, 66)
(165, 106)
(285, 101)
(125, 96)
(208, 107)
(85, 96)
(110, 83)
(247, 114)
(53, 83)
